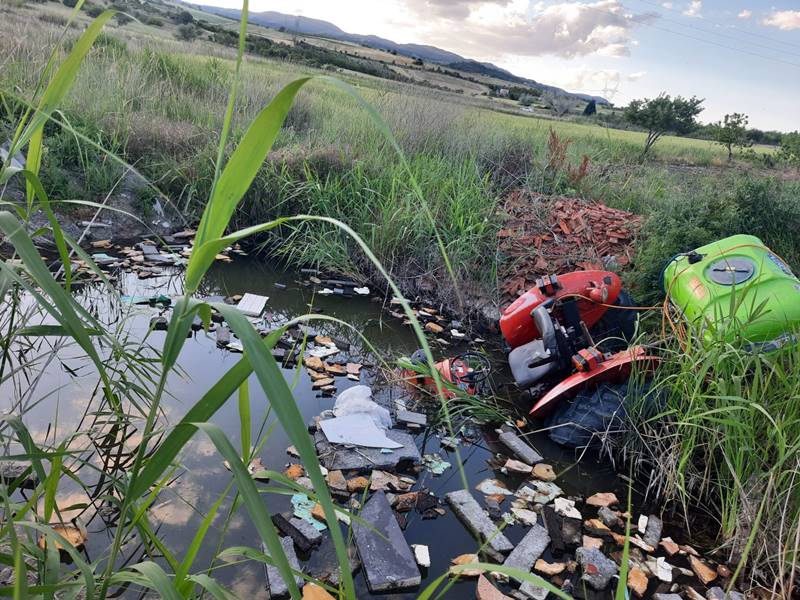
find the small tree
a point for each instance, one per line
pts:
(184, 17)
(591, 108)
(731, 132)
(527, 99)
(558, 103)
(663, 115)
(187, 32)
(790, 148)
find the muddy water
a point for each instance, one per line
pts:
(67, 386)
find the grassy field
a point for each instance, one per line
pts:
(159, 104)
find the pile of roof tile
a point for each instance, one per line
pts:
(554, 234)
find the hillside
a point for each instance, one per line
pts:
(316, 27)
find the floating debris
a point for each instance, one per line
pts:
(435, 464)
(302, 506)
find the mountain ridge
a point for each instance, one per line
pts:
(432, 54)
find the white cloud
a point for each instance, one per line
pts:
(745, 14)
(636, 76)
(667, 5)
(783, 19)
(694, 8)
(451, 9)
(567, 29)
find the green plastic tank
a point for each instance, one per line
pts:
(722, 286)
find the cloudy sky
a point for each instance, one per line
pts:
(740, 55)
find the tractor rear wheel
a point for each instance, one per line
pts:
(615, 330)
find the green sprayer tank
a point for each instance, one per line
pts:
(736, 288)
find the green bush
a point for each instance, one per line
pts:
(767, 208)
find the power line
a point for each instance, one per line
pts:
(752, 33)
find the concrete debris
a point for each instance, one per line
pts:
(533, 591)
(667, 597)
(549, 569)
(637, 581)
(717, 593)
(652, 533)
(660, 568)
(703, 572)
(528, 551)
(670, 547)
(602, 499)
(411, 420)
(597, 568)
(571, 532)
(388, 561)
(641, 524)
(519, 448)
(435, 464)
(517, 467)
(479, 524)
(422, 555)
(304, 535)
(591, 543)
(465, 559)
(525, 516)
(539, 492)
(302, 507)
(337, 456)
(486, 591)
(277, 586)
(493, 486)
(609, 518)
(566, 508)
(544, 472)
(252, 305)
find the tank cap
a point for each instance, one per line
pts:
(731, 271)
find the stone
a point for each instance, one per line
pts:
(717, 593)
(667, 597)
(606, 499)
(276, 586)
(608, 517)
(670, 547)
(724, 572)
(544, 472)
(486, 591)
(686, 549)
(525, 516)
(465, 559)
(388, 561)
(339, 457)
(479, 524)
(591, 543)
(529, 549)
(596, 527)
(323, 563)
(517, 466)
(422, 555)
(295, 471)
(597, 568)
(304, 535)
(539, 492)
(318, 512)
(652, 533)
(492, 487)
(637, 581)
(411, 419)
(405, 502)
(660, 568)
(337, 483)
(692, 593)
(566, 508)
(314, 363)
(357, 484)
(533, 591)
(641, 524)
(383, 481)
(519, 448)
(703, 572)
(312, 591)
(549, 569)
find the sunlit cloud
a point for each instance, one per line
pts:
(786, 20)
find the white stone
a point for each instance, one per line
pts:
(566, 508)
(422, 555)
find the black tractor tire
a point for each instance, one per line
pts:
(589, 418)
(616, 328)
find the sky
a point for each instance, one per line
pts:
(739, 55)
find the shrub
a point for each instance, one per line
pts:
(187, 32)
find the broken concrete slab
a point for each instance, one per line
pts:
(566, 508)
(252, 305)
(422, 555)
(519, 448)
(389, 563)
(411, 420)
(304, 535)
(528, 551)
(533, 591)
(717, 593)
(324, 565)
(652, 533)
(667, 597)
(571, 531)
(479, 524)
(597, 568)
(340, 457)
(276, 586)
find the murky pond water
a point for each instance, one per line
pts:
(67, 386)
